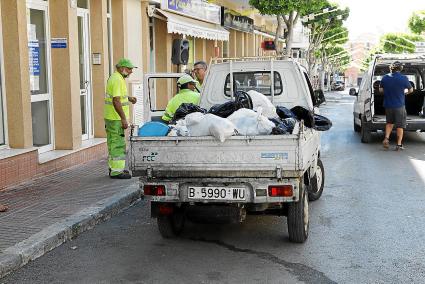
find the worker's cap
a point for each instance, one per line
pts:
(125, 62)
(396, 65)
(185, 79)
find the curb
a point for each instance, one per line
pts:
(53, 236)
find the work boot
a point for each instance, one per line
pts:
(125, 171)
(123, 175)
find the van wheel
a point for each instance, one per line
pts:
(172, 225)
(357, 128)
(317, 182)
(366, 135)
(298, 218)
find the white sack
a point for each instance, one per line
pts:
(260, 100)
(179, 129)
(210, 124)
(251, 123)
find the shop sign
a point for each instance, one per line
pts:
(234, 20)
(59, 42)
(198, 9)
(34, 64)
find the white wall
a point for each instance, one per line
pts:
(134, 37)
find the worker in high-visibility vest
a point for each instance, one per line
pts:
(187, 94)
(116, 114)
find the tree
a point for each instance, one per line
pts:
(325, 28)
(287, 12)
(399, 43)
(417, 22)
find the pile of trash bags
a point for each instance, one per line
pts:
(249, 114)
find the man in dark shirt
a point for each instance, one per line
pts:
(394, 86)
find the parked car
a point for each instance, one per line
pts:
(338, 86)
(369, 111)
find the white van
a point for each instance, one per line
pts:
(369, 111)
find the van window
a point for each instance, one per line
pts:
(259, 81)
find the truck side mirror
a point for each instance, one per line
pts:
(319, 97)
(353, 92)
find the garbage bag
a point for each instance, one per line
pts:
(179, 129)
(251, 123)
(242, 100)
(283, 112)
(302, 113)
(199, 124)
(283, 126)
(322, 123)
(260, 100)
(184, 109)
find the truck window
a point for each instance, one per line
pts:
(161, 90)
(259, 81)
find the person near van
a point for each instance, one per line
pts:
(116, 114)
(199, 71)
(186, 94)
(393, 85)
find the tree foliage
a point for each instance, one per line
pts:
(417, 22)
(287, 12)
(399, 42)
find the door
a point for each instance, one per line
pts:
(85, 73)
(40, 74)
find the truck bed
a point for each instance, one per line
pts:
(204, 157)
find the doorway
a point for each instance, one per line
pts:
(40, 74)
(85, 73)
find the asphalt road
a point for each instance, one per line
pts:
(368, 227)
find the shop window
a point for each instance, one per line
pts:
(83, 4)
(259, 81)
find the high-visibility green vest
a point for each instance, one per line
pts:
(116, 87)
(184, 96)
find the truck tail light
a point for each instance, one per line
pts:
(280, 190)
(151, 189)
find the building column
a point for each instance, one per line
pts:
(119, 29)
(17, 82)
(240, 44)
(145, 38)
(233, 43)
(199, 49)
(65, 76)
(99, 44)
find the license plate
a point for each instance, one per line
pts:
(216, 193)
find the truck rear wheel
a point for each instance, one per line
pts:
(171, 225)
(317, 182)
(298, 218)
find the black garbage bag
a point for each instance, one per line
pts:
(241, 100)
(283, 112)
(302, 113)
(184, 109)
(322, 123)
(283, 126)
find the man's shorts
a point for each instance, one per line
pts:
(396, 116)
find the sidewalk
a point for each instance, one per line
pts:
(47, 212)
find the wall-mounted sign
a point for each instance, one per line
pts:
(59, 42)
(234, 20)
(96, 58)
(198, 9)
(34, 62)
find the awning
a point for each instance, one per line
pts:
(194, 28)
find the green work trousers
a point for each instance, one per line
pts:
(115, 139)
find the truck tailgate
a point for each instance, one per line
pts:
(174, 157)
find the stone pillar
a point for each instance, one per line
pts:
(17, 84)
(99, 44)
(240, 44)
(233, 44)
(145, 48)
(119, 29)
(65, 76)
(199, 49)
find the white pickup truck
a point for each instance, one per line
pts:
(200, 177)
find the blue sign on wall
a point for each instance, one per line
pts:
(59, 42)
(34, 57)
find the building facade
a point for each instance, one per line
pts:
(56, 57)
